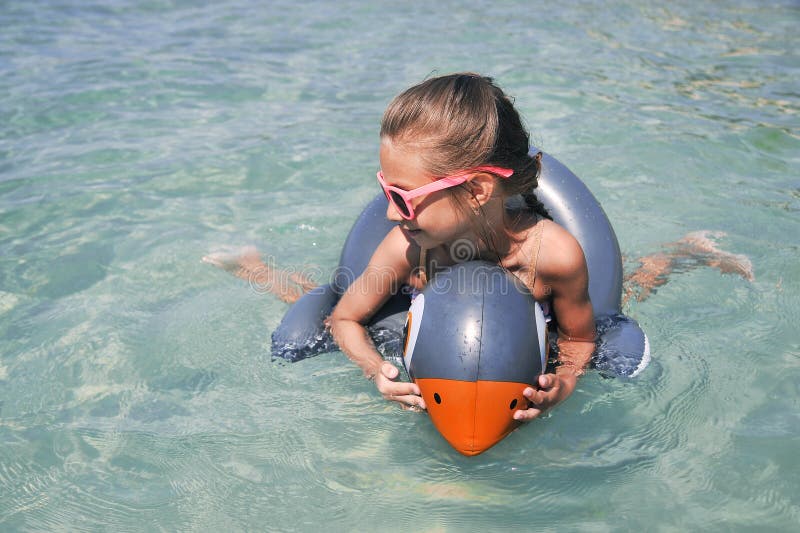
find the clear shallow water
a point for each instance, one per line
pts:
(136, 387)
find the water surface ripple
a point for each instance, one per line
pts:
(136, 386)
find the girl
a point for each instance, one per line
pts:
(453, 150)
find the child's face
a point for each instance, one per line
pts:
(437, 221)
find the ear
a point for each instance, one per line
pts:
(482, 187)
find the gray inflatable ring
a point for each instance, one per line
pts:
(622, 349)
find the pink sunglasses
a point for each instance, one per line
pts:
(402, 199)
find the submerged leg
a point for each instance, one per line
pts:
(246, 264)
(693, 250)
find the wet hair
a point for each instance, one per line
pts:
(464, 120)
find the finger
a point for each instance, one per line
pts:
(534, 396)
(394, 388)
(418, 405)
(408, 399)
(528, 392)
(389, 370)
(525, 415)
(406, 388)
(545, 381)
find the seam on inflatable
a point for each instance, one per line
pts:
(477, 374)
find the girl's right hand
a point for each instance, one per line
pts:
(406, 394)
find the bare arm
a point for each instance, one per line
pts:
(387, 270)
(573, 309)
(567, 276)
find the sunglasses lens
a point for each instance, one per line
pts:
(399, 203)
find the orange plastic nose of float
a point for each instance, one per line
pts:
(472, 416)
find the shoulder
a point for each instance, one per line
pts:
(396, 251)
(560, 256)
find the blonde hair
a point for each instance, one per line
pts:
(464, 120)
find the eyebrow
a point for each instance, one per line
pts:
(399, 184)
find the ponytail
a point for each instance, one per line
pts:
(534, 168)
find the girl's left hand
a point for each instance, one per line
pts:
(553, 389)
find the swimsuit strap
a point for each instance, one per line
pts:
(537, 236)
(423, 276)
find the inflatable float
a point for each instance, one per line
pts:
(472, 367)
(453, 354)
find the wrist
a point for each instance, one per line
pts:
(371, 371)
(373, 368)
(568, 368)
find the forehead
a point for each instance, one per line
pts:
(402, 166)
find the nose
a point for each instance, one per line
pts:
(392, 213)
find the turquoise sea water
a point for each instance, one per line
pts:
(136, 386)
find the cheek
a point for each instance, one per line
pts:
(443, 222)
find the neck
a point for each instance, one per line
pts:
(489, 232)
(506, 231)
